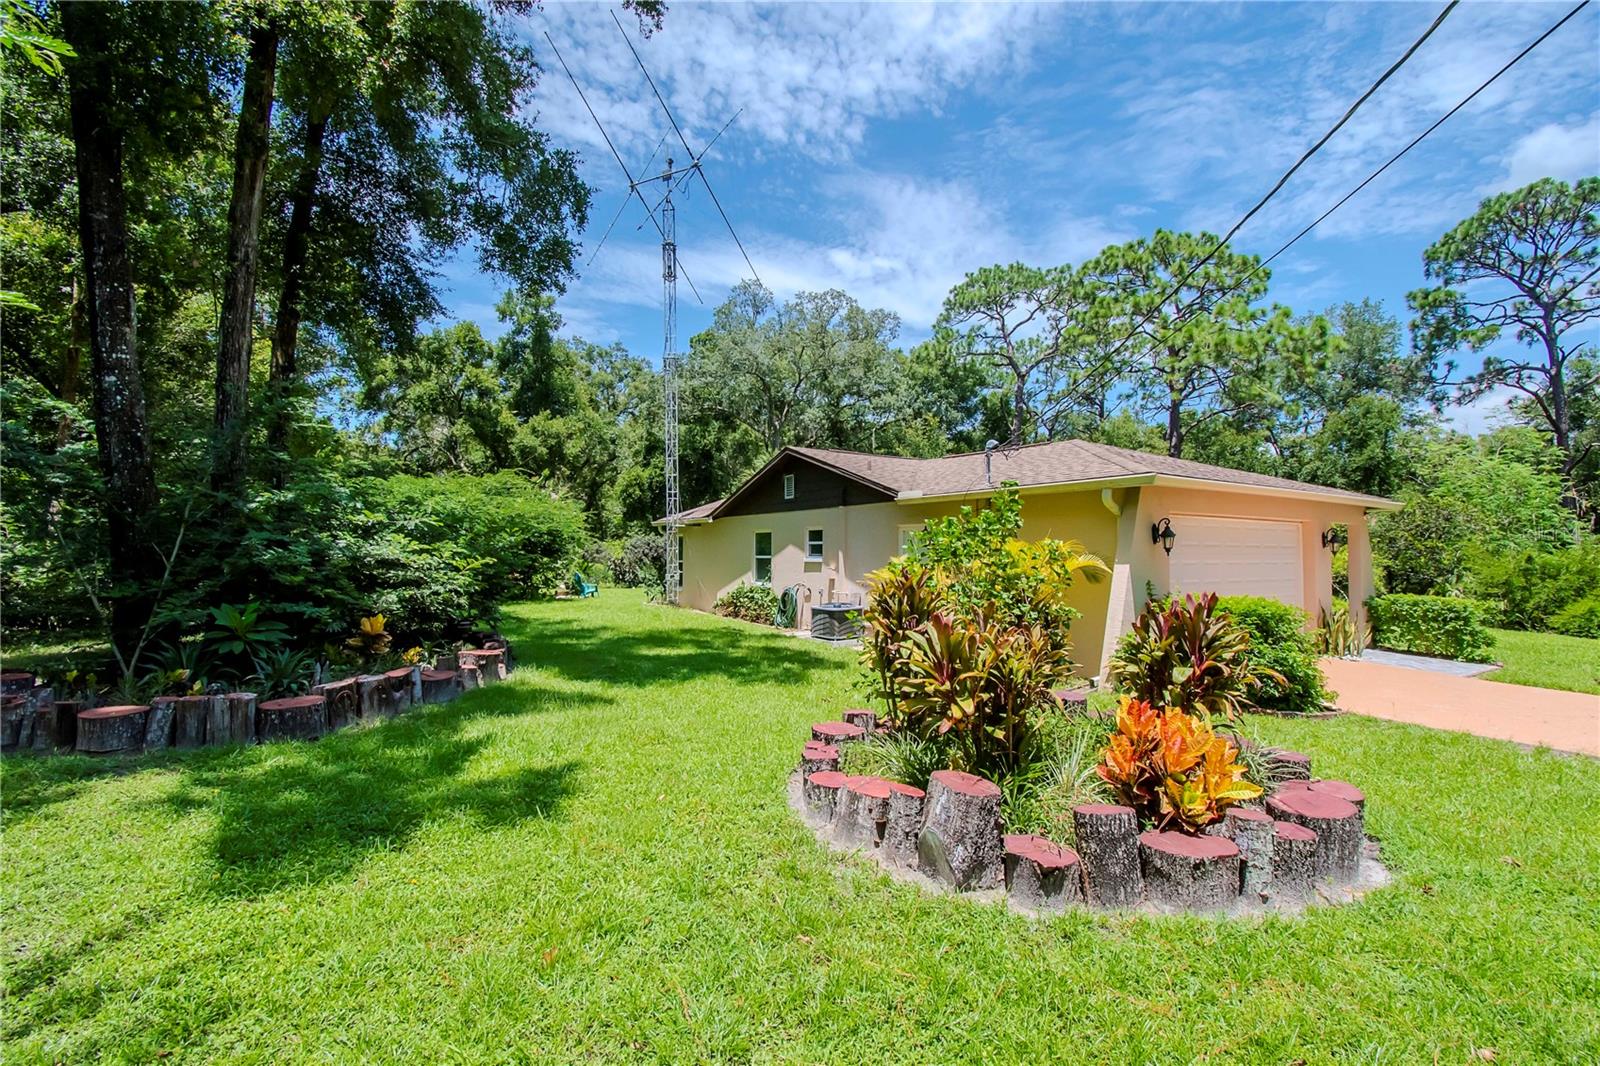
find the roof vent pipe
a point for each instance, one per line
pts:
(988, 459)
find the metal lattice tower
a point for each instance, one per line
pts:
(669, 380)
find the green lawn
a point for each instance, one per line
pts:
(1548, 660)
(595, 861)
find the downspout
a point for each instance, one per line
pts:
(1109, 502)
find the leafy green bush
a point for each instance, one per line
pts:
(1431, 625)
(1529, 589)
(1185, 654)
(640, 561)
(750, 603)
(1282, 654)
(898, 756)
(1580, 618)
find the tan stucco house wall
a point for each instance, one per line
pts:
(1111, 521)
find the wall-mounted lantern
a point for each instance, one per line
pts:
(1333, 537)
(1161, 533)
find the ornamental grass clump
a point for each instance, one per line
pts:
(1172, 768)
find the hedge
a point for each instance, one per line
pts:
(1280, 642)
(1431, 625)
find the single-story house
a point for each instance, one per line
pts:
(823, 519)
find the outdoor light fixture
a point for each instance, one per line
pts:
(1332, 537)
(1161, 533)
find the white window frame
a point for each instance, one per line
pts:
(822, 542)
(680, 560)
(788, 486)
(756, 556)
(906, 532)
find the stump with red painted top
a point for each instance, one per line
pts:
(440, 686)
(959, 843)
(862, 813)
(13, 709)
(905, 822)
(401, 689)
(1294, 861)
(189, 730)
(816, 757)
(821, 791)
(1189, 873)
(105, 730)
(1108, 841)
(342, 699)
(471, 676)
(295, 718)
(860, 716)
(836, 733)
(16, 683)
(375, 696)
(161, 723)
(1290, 765)
(1336, 822)
(57, 725)
(1251, 831)
(1041, 875)
(491, 661)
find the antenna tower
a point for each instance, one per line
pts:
(671, 266)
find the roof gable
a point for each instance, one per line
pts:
(816, 484)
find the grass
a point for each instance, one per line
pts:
(595, 862)
(1547, 660)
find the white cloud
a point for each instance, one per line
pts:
(1483, 414)
(1553, 150)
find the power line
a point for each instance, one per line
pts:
(1104, 366)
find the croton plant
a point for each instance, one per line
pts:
(1172, 768)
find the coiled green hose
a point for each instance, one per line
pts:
(788, 607)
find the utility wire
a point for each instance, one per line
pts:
(1368, 180)
(1305, 156)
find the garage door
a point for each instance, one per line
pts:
(1238, 557)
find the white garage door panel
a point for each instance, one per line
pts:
(1236, 557)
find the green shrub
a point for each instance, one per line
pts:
(1430, 625)
(898, 756)
(1579, 619)
(1529, 589)
(1282, 654)
(641, 561)
(750, 603)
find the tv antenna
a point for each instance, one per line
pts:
(671, 179)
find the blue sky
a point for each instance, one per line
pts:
(888, 149)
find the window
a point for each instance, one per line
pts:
(680, 562)
(906, 533)
(763, 567)
(814, 545)
(788, 486)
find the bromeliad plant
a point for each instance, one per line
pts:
(1172, 768)
(1187, 654)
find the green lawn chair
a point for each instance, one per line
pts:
(581, 587)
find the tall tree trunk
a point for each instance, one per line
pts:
(1019, 405)
(72, 365)
(1175, 426)
(236, 330)
(286, 327)
(121, 429)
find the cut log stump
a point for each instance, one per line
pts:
(836, 733)
(1072, 699)
(295, 718)
(1343, 789)
(491, 661)
(13, 709)
(1041, 875)
(1337, 824)
(471, 676)
(112, 729)
(343, 701)
(401, 689)
(447, 663)
(959, 843)
(376, 696)
(440, 686)
(61, 724)
(1189, 873)
(1251, 831)
(16, 683)
(867, 720)
(1294, 861)
(905, 822)
(862, 814)
(816, 757)
(1108, 841)
(189, 730)
(242, 717)
(1290, 765)
(821, 792)
(219, 726)
(160, 724)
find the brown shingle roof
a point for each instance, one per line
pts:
(1053, 463)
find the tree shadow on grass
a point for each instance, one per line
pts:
(584, 652)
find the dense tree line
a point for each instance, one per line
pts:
(218, 225)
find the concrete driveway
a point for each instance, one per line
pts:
(1565, 721)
